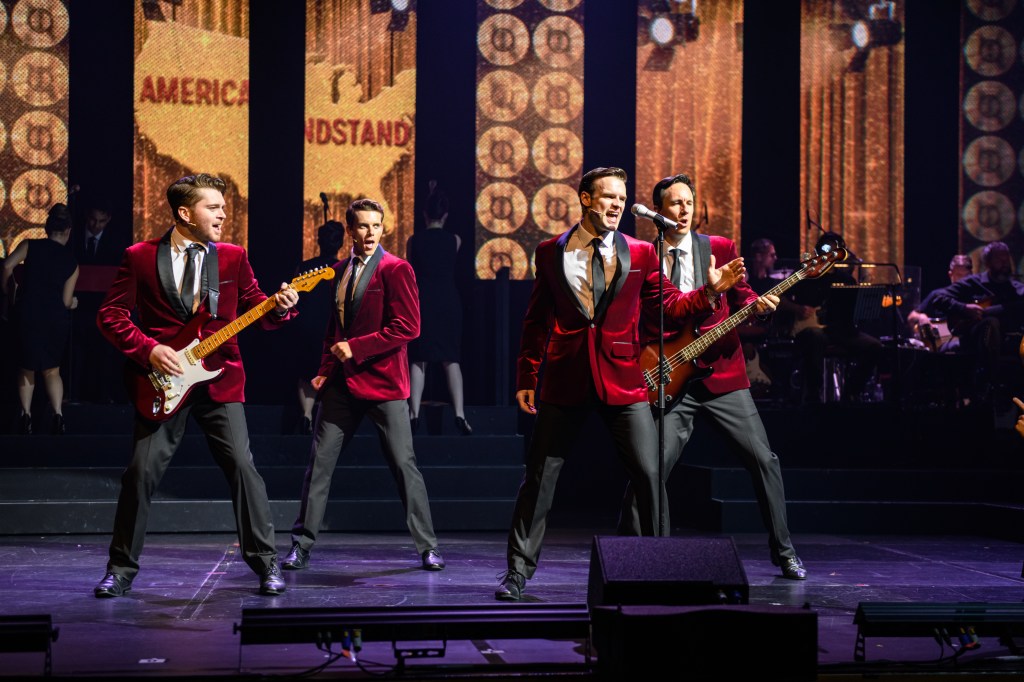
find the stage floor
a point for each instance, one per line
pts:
(178, 619)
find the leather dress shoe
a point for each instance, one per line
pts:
(432, 560)
(463, 426)
(271, 582)
(512, 586)
(112, 585)
(296, 560)
(793, 569)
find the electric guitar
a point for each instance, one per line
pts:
(679, 364)
(158, 396)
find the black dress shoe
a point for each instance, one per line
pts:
(296, 560)
(794, 569)
(58, 425)
(432, 560)
(512, 586)
(112, 585)
(271, 582)
(25, 424)
(463, 426)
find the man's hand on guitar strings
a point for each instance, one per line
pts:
(766, 304)
(286, 298)
(165, 359)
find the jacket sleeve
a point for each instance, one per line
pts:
(537, 324)
(114, 317)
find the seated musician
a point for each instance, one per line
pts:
(986, 312)
(927, 321)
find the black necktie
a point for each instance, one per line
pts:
(597, 273)
(350, 293)
(677, 267)
(92, 247)
(188, 280)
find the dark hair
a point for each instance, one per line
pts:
(437, 205)
(185, 191)
(592, 176)
(361, 205)
(962, 261)
(762, 245)
(665, 183)
(986, 253)
(330, 236)
(58, 219)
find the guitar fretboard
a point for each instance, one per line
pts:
(213, 342)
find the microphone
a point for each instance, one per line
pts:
(662, 221)
(323, 197)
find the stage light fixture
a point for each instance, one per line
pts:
(670, 23)
(399, 9)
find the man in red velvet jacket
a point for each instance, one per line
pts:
(166, 281)
(584, 333)
(364, 371)
(725, 395)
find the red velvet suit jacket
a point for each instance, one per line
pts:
(578, 353)
(144, 283)
(386, 319)
(726, 355)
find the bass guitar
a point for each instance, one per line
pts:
(679, 364)
(158, 396)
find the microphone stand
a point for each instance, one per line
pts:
(662, 381)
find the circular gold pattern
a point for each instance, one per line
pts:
(557, 153)
(991, 10)
(560, 5)
(501, 151)
(558, 42)
(988, 216)
(502, 96)
(501, 207)
(503, 39)
(40, 23)
(40, 79)
(39, 138)
(989, 161)
(556, 208)
(3, 17)
(990, 51)
(558, 97)
(34, 192)
(3, 193)
(989, 106)
(504, 4)
(3, 145)
(3, 75)
(499, 253)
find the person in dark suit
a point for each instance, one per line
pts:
(581, 325)
(309, 327)
(166, 282)
(724, 396)
(98, 242)
(364, 371)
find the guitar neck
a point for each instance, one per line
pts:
(705, 341)
(225, 333)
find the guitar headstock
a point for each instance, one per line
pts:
(821, 262)
(307, 280)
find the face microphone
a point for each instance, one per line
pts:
(644, 212)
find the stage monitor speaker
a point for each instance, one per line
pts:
(669, 571)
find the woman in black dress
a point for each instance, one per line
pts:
(432, 253)
(43, 300)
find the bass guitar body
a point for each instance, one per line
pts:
(678, 378)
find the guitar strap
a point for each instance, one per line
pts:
(211, 279)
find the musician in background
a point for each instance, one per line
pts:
(724, 397)
(960, 266)
(986, 312)
(165, 282)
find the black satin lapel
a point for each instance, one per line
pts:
(702, 261)
(166, 276)
(625, 263)
(211, 279)
(364, 279)
(558, 263)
